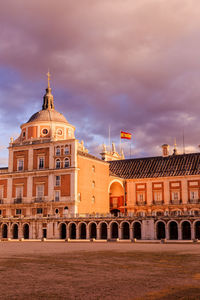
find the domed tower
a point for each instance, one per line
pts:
(46, 124)
(44, 160)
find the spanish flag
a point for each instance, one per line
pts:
(125, 135)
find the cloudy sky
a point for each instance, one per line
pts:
(130, 65)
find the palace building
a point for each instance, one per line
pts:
(53, 188)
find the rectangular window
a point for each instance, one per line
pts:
(57, 180)
(41, 162)
(40, 191)
(175, 196)
(140, 197)
(157, 196)
(1, 193)
(194, 195)
(18, 211)
(20, 164)
(57, 196)
(19, 192)
(39, 210)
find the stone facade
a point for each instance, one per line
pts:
(53, 188)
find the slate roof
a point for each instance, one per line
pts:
(152, 167)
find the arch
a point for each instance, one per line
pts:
(114, 227)
(173, 230)
(4, 229)
(15, 231)
(82, 231)
(137, 230)
(72, 230)
(160, 230)
(197, 230)
(186, 230)
(63, 231)
(116, 192)
(113, 181)
(103, 230)
(26, 231)
(125, 227)
(93, 230)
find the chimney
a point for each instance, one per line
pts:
(165, 150)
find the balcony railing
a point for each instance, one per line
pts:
(18, 200)
(39, 199)
(141, 203)
(194, 201)
(158, 202)
(175, 202)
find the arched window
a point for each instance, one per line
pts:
(57, 151)
(66, 149)
(66, 163)
(93, 199)
(58, 164)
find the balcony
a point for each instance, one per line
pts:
(176, 202)
(158, 202)
(140, 203)
(39, 199)
(18, 200)
(194, 201)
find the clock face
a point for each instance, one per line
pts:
(59, 131)
(44, 131)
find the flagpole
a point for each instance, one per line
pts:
(120, 145)
(109, 137)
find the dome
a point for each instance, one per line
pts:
(47, 115)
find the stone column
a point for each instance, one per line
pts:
(179, 232)
(87, 232)
(9, 230)
(120, 235)
(98, 232)
(192, 231)
(20, 231)
(109, 233)
(167, 231)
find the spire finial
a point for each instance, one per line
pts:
(48, 97)
(48, 78)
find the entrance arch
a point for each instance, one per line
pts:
(63, 231)
(82, 228)
(114, 230)
(197, 230)
(93, 231)
(26, 231)
(103, 231)
(173, 230)
(116, 192)
(186, 230)
(15, 231)
(160, 230)
(4, 231)
(137, 230)
(125, 230)
(72, 231)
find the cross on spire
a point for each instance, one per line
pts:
(48, 78)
